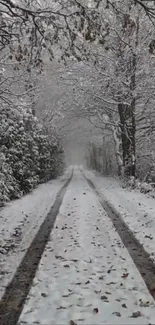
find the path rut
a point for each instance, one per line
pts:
(140, 257)
(17, 290)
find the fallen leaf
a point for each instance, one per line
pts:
(64, 227)
(105, 298)
(61, 307)
(117, 313)
(134, 288)
(95, 310)
(144, 304)
(150, 237)
(125, 275)
(124, 305)
(87, 282)
(59, 257)
(72, 322)
(111, 269)
(110, 283)
(136, 314)
(97, 291)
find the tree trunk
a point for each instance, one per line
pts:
(133, 108)
(118, 150)
(127, 112)
(127, 125)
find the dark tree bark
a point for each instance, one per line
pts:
(128, 128)
(127, 112)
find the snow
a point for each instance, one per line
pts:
(79, 278)
(20, 221)
(136, 209)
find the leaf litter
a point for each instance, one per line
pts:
(73, 284)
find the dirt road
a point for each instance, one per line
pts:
(86, 274)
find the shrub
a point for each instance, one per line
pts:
(28, 156)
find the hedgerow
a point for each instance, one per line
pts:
(28, 155)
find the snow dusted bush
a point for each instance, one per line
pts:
(27, 155)
(146, 188)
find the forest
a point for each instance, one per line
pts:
(77, 162)
(76, 80)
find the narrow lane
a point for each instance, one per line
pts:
(86, 275)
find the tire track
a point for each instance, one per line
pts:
(13, 300)
(137, 252)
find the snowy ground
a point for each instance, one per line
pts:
(137, 209)
(19, 222)
(86, 275)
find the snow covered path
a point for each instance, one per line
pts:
(86, 275)
(136, 209)
(19, 223)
